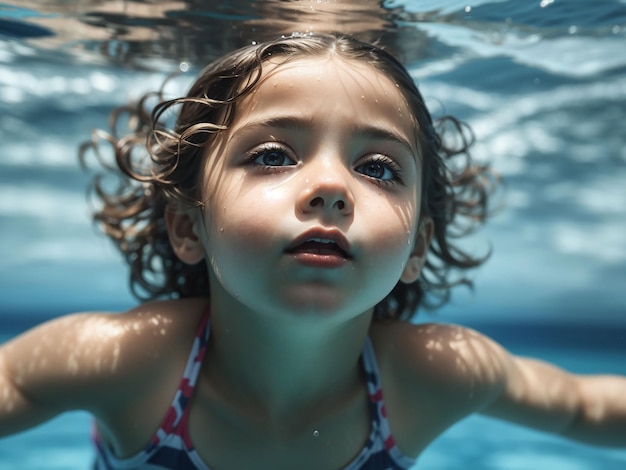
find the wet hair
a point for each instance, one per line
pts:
(160, 165)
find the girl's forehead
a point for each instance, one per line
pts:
(330, 68)
(329, 81)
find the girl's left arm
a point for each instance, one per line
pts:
(591, 409)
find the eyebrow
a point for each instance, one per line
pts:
(366, 132)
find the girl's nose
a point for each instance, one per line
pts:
(327, 194)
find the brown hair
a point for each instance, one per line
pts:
(455, 189)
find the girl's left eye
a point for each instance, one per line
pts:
(381, 168)
(270, 155)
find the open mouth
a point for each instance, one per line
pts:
(319, 246)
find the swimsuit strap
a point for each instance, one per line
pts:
(375, 391)
(380, 451)
(175, 420)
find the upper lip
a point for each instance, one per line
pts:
(316, 234)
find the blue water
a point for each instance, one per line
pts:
(542, 83)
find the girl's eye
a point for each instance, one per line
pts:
(382, 168)
(271, 156)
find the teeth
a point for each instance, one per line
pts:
(320, 240)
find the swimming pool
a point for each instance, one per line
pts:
(542, 83)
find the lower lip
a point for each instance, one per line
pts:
(316, 260)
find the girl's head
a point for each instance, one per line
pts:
(191, 165)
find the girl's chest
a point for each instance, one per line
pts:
(226, 439)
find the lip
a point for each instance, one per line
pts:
(322, 260)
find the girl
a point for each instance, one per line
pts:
(296, 215)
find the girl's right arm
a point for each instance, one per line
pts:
(121, 368)
(95, 362)
(58, 366)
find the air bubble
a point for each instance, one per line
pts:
(183, 66)
(468, 8)
(316, 433)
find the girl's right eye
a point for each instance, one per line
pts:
(270, 155)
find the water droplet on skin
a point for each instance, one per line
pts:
(316, 433)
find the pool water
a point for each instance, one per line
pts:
(542, 84)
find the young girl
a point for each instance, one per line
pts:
(297, 214)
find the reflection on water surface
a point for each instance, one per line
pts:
(137, 33)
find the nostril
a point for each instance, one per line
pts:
(317, 202)
(340, 205)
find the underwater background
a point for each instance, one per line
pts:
(542, 83)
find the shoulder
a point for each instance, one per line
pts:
(443, 352)
(147, 332)
(434, 375)
(136, 344)
(84, 360)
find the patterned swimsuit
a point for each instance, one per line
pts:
(171, 446)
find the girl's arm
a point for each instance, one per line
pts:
(438, 374)
(58, 366)
(590, 409)
(17, 412)
(94, 362)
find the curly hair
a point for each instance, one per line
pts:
(159, 164)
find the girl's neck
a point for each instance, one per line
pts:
(280, 369)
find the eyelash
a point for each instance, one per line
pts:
(264, 150)
(388, 163)
(391, 166)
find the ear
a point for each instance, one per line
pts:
(182, 233)
(416, 261)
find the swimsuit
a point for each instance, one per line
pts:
(171, 446)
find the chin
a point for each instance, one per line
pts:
(323, 307)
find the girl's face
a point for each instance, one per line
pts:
(312, 194)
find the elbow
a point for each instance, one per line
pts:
(599, 415)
